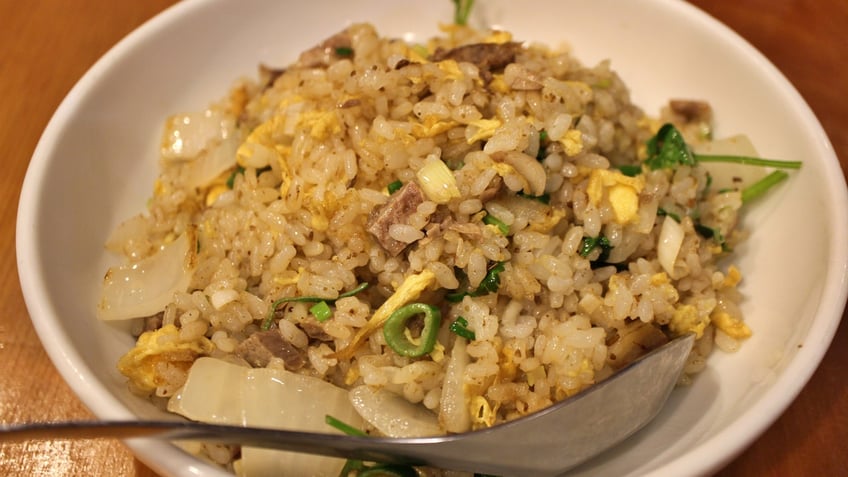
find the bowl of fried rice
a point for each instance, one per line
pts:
(432, 218)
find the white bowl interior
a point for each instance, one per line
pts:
(97, 159)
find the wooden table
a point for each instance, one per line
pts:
(46, 45)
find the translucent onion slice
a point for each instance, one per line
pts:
(670, 240)
(454, 411)
(201, 146)
(393, 415)
(220, 392)
(728, 175)
(144, 288)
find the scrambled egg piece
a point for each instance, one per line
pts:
(141, 364)
(485, 129)
(215, 192)
(498, 37)
(451, 69)
(431, 126)
(686, 319)
(482, 413)
(572, 142)
(551, 219)
(289, 277)
(733, 277)
(733, 327)
(320, 123)
(408, 291)
(498, 85)
(622, 192)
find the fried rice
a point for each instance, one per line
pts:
(488, 179)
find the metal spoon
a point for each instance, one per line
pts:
(545, 443)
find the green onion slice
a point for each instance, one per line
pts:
(395, 327)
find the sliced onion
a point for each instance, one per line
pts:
(201, 146)
(393, 415)
(671, 238)
(186, 136)
(223, 393)
(728, 175)
(220, 157)
(454, 415)
(144, 288)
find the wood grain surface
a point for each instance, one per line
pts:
(47, 45)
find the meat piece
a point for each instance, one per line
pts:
(397, 210)
(488, 57)
(260, 347)
(691, 111)
(325, 52)
(315, 331)
(632, 341)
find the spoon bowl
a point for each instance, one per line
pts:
(545, 443)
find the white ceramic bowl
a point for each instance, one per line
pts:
(96, 161)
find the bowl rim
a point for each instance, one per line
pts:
(720, 448)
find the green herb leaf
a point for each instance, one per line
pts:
(749, 161)
(394, 187)
(388, 470)
(232, 179)
(630, 170)
(489, 284)
(462, 11)
(492, 220)
(588, 244)
(544, 198)
(344, 51)
(460, 328)
(662, 213)
(343, 426)
(763, 185)
(668, 149)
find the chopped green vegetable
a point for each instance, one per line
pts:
(395, 326)
(588, 244)
(394, 187)
(388, 470)
(662, 213)
(543, 150)
(358, 467)
(344, 51)
(269, 320)
(492, 220)
(232, 179)
(460, 328)
(630, 170)
(462, 11)
(544, 198)
(761, 186)
(668, 149)
(489, 284)
(343, 426)
(712, 233)
(749, 161)
(321, 311)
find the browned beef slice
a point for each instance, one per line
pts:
(259, 348)
(400, 206)
(691, 111)
(488, 57)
